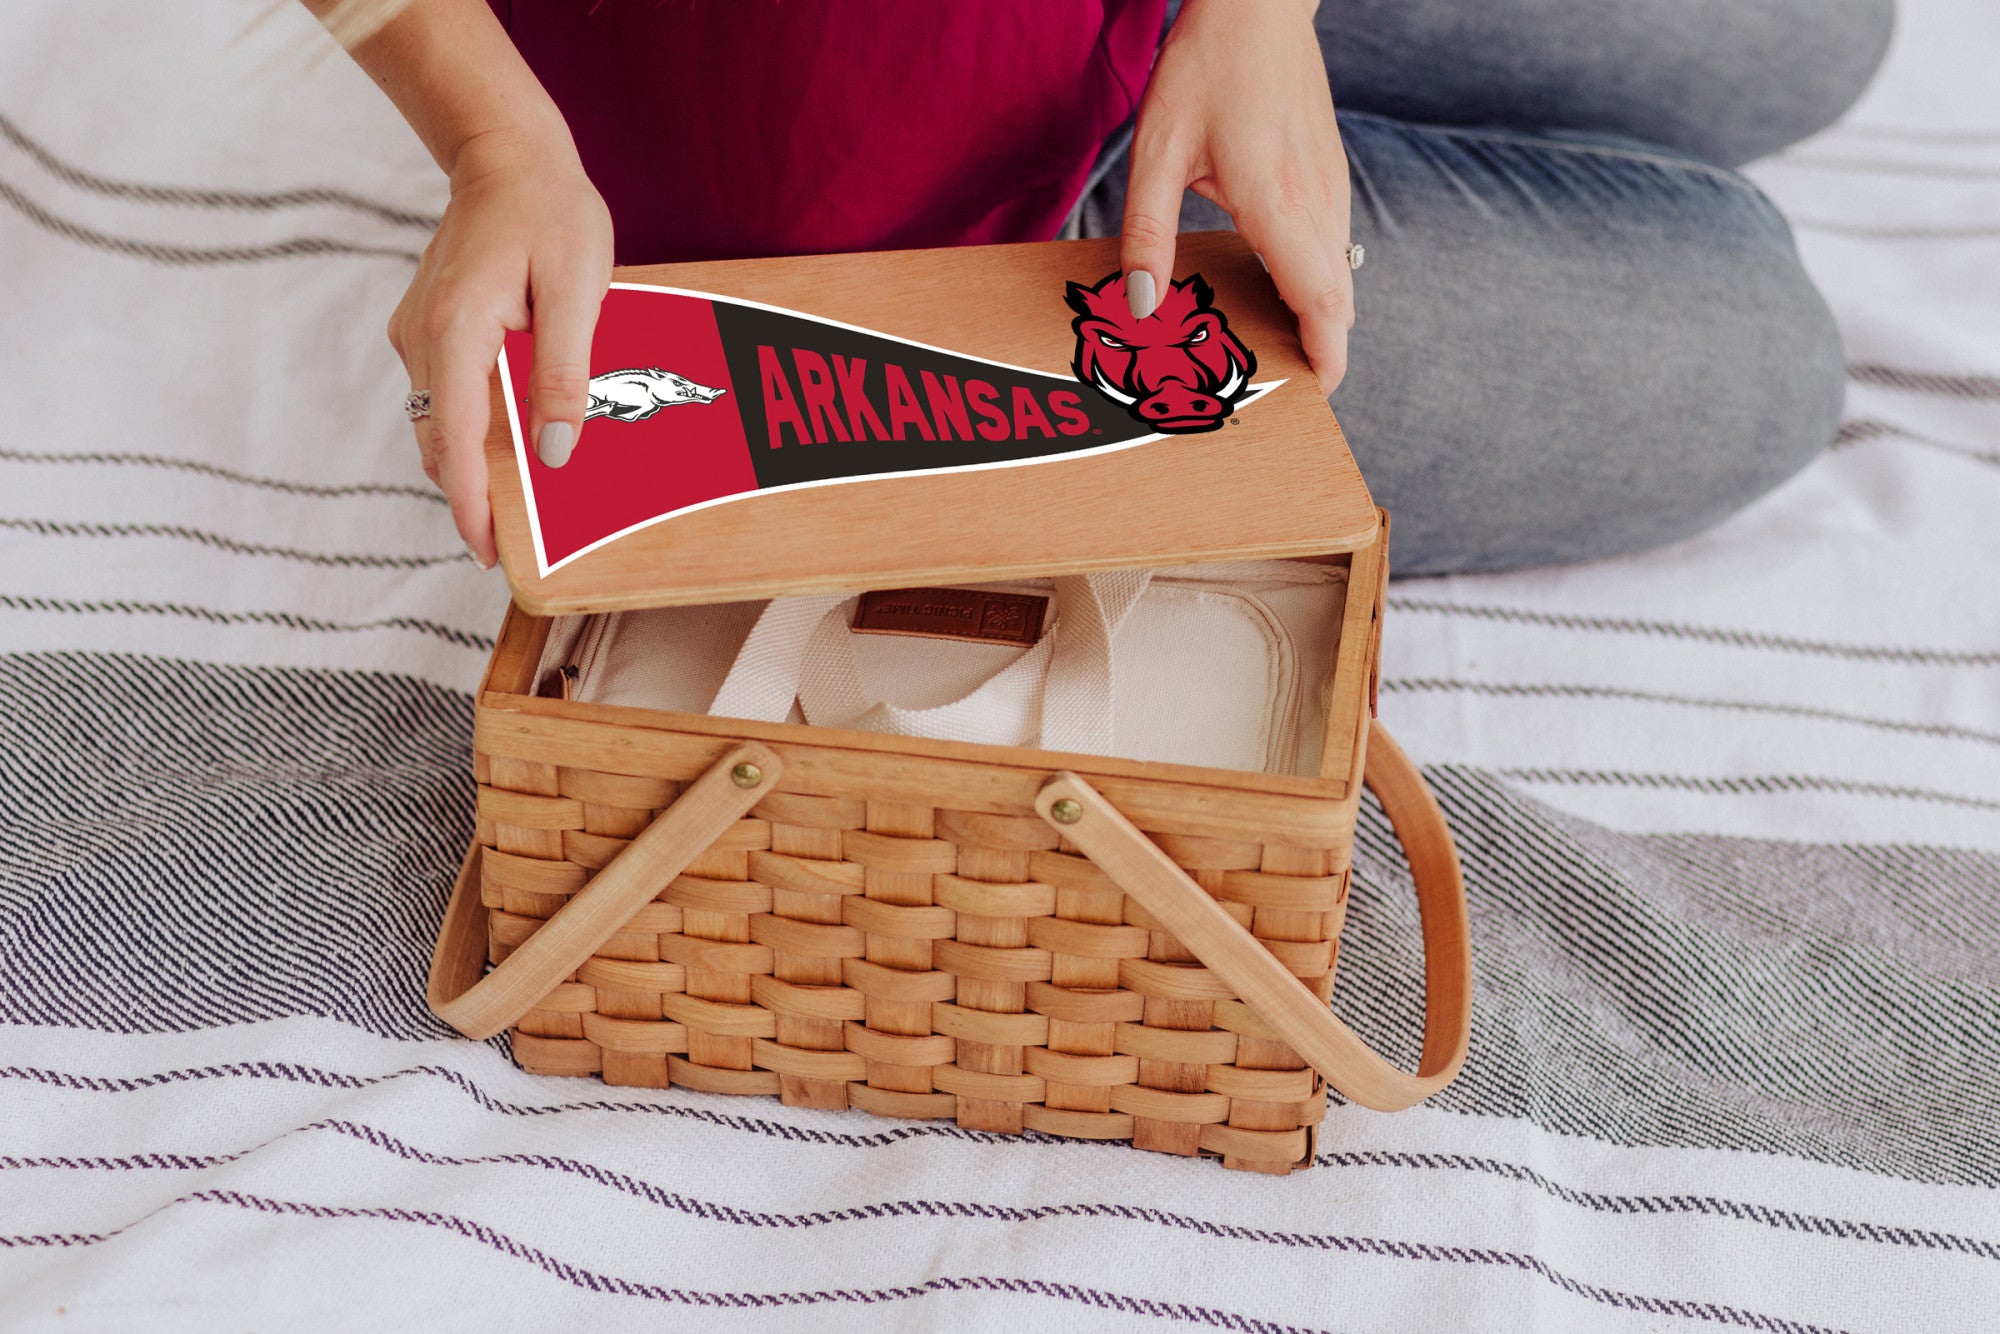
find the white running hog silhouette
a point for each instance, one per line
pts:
(634, 395)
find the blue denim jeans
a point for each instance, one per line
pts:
(1579, 332)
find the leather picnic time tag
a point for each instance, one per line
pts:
(967, 614)
(936, 418)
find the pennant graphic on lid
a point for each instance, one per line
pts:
(698, 400)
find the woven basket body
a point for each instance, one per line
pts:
(893, 927)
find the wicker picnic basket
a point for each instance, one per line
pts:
(1012, 938)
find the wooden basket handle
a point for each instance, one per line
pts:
(480, 1006)
(1297, 1016)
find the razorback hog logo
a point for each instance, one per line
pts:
(1180, 370)
(634, 395)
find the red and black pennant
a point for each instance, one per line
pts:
(697, 399)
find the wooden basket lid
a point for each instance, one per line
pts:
(679, 494)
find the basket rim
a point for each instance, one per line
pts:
(507, 687)
(1024, 759)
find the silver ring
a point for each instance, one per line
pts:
(417, 405)
(1356, 256)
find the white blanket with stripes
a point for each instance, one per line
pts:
(1730, 815)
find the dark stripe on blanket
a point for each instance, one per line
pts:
(1924, 382)
(188, 197)
(1538, 690)
(879, 1134)
(222, 542)
(1831, 1002)
(293, 488)
(1180, 1312)
(1855, 431)
(294, 248)
(216, 616)
(1652, 1206)
(1749, 785)
(603, 1284)
(186, 845)
(1707, 634)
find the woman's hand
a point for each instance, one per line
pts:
(1238, 109)
(526, 240)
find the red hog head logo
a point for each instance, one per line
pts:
(1180, 370)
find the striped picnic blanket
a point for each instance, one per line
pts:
(1730, 816)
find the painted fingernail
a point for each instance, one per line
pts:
(1139, 290)
(476, 558)
(555, 442)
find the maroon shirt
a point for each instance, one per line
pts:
(734, 128)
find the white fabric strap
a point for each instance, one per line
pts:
(1057, 695)
(1003, 711)
(1076, 707)
(764, 679)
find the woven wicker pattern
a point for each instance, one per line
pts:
(914, 962)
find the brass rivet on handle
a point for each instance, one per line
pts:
(1066, 811)
(747, 775)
